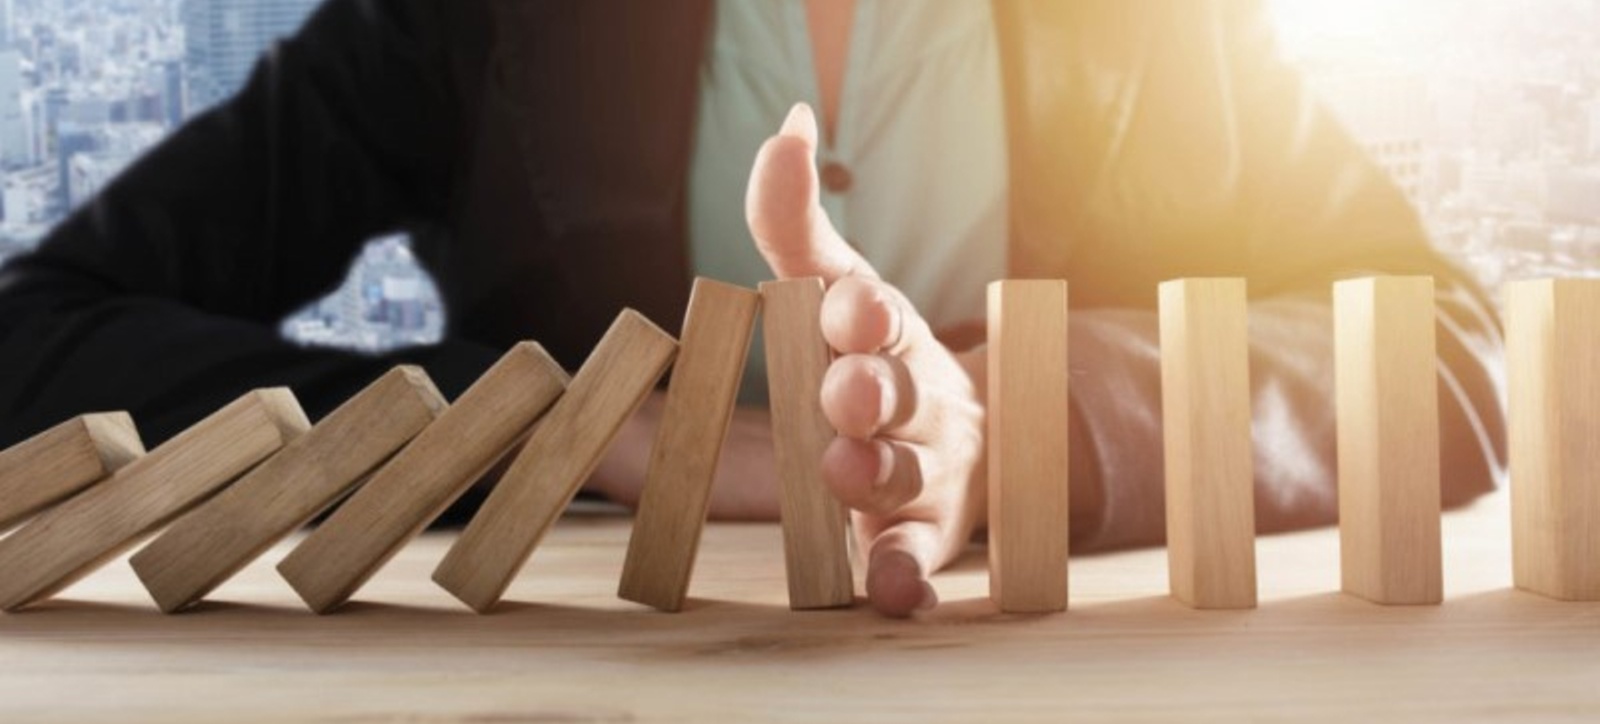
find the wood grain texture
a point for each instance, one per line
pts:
(815, 524)
(1553, 365)
(559, 457)
(424, 478)
(1128, 652)
(69, 541)
(57, 463)
(1388, 430)
(1027, 476)
(683, 462)
(212, 542)
(1205, 406)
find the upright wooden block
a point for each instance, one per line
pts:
(1388, 428)
(214, 541)
(1028, 414)
(683, 462)
(561, 454)
(53, 465)
(1553, 361)
(69, 541)
(424, 478)
(1205, 408)
(815, 525)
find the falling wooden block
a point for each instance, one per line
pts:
(1388, 429)
(1205, 408)
(1028, 413)
(53, 465)
(1553, 362)
(559, 457)
(683, 462)
(424, 478)
(815, 525)
(222, 535)
(69, 541)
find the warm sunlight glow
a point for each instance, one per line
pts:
(1302, 21)
(1485, 112)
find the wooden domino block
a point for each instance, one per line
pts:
(560, 455)
(53, 465)
(424, 478)
(683, 462)
(1205, 406)
(67, 542)
(215, 540)
(1553, 362)
(1028, 413)
(815, 525)
(1388, 430)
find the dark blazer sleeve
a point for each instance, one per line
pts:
(1218, 161)
(162, 295)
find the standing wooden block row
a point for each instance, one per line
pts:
(683, 461)
(815, 525)
(53, 465)
(1553, 361)
(1205, 406)
(1388, 429)
(561, 454)
(1028, 414)
(71, 540)
(424, 478)
(210, 544)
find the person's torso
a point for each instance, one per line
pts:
(914, 174)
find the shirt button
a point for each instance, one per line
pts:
(836, 177)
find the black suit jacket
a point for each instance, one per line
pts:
(538, 151)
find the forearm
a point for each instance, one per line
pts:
(1116, 387)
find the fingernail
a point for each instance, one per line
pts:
(800, 122)
(896, 326)
(885, 464)
(888, 402)
(929, 597)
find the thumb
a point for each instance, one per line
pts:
(784, 211)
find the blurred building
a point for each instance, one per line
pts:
(29, 202)
(1594, 129)
(223, 38)
(16, 144)
(1573, 195)
(87, 173)
(1384, 110)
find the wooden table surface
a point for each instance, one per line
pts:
(565, 649)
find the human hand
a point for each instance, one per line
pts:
(908, 459)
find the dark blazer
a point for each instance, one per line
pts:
(537, 150)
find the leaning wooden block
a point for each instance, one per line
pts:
(560, 455)
(683, 462)
(815, 525)
(424, 478)
(1388, 430)
(1205, 406)
(53, 465)
(1553, 362)
(1028, 414)
(214, 541)
(71, 540)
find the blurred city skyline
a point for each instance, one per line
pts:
(1485, 112)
